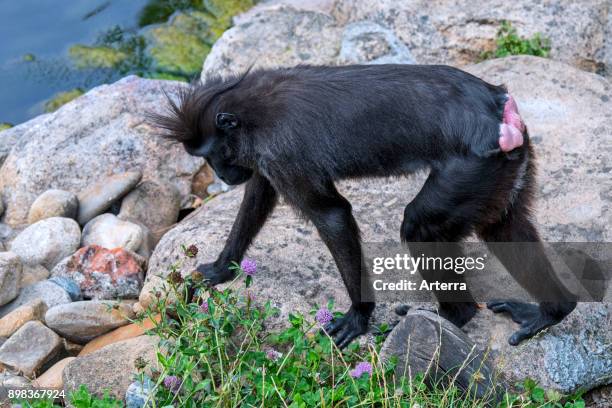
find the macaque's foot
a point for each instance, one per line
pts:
(528, 316)
(344, 330)
(215, 274)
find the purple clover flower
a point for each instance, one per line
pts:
(173, 383)
(249, 266)
(324, 316)
(204, 306)
(360, 369)
(273, 355)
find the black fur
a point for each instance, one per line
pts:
(295, 131)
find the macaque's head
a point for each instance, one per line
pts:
(207, 130)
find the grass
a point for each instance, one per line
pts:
(216, 352)
(508, 42)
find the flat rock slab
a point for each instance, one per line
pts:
(98, 197)
(50, 293)
(10, 323)
(423, 342)
(29, 348)
(85, 320)
(111, 368)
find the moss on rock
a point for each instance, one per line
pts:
(84, 56)
(177, 48)
(62, 98)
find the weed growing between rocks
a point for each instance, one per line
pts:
(510, 43)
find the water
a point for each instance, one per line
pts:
(46, 29)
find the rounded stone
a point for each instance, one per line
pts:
(85, 320)
(53, 203)
(47, 242)
(110, 232)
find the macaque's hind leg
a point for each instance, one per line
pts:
(531, 269)
(455, 196)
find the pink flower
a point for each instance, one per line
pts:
(249, 266)
(360, 369)
(324, 316)
(273, 355)
(204, 306)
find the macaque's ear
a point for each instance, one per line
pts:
(226, 121)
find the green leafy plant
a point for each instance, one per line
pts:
(80, 398)
(508, 42)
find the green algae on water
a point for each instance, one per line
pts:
(85, 56)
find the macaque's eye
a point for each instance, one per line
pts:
(226, 121)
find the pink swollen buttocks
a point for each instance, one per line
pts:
(512, 128)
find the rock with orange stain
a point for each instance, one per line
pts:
(104, 273)
(122, 333)
(52, 378)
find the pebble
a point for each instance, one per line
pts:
(47, 242)
(53, 203)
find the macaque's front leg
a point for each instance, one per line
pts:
(258, 202)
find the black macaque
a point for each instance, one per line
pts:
(293, 132)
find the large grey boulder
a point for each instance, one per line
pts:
(103, 132)
(458, 32)
(569, 117)
(287, 33)
(47, 242)
(277, 36)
